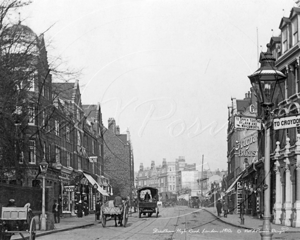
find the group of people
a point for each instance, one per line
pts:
(223, 206)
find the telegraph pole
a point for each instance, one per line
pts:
(202, 178)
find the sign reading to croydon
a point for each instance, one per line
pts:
(247, 123)
(287, 122)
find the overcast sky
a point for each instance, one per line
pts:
(165, 69)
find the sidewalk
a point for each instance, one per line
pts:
(67, 223)
(250, 222)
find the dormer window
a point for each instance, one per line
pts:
(295, 30)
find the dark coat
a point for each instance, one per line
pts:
(219, 206)
(225, 206)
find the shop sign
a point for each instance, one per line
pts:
(287, 122)
(247, 123)
(247, 147)
(69, 188)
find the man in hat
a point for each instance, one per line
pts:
(56, 211)
(11, 203)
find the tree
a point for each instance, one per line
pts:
(26, 95)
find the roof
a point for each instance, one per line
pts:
(90, 110)
(242, 105)
(283, 22)
(64, 90)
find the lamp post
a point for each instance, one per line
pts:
(267, 83)
(43, 168)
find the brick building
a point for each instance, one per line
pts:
(118, 160)
(56, 131)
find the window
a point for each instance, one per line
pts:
(93, 146)
(68, 159)
(31, 153)
(57, 127)
(78, 138)
(57, 154)
(21, 157)
(44, 151)
(100, 149)
(284, 40)
(295, 30)
(43, 119)
(79, 163)
(31, 115)
(49, 153)
(68, 133)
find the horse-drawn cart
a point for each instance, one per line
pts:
(16, 220)
(109, 210)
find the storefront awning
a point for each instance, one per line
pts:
(93, 182)
(235, 181)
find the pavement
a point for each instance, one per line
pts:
(66, 224)
(251, 223)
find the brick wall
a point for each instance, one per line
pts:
(22, 195)
(117, 163)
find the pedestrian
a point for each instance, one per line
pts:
(219, 208)
(118, 202)
(11, 203)
(225, 208)
(56, 211)
(79, 209)
(98, 207)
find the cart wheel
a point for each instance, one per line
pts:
(32, 229)
(103, 220)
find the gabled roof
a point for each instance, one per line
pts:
(64, 91)
(90, 111)
(283, 22)
(295, 10)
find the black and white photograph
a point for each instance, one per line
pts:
(149, 119)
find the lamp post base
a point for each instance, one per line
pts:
(266, 232)
(43, 224)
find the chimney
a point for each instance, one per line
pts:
(164, 163)
(141, 167)
(112, 125)
(152, 164)
(117, 130)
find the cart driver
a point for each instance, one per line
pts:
(118, 202)
(147, 197)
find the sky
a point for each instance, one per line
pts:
(164, 69)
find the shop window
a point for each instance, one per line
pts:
(32, 152)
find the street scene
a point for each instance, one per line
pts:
(146, 119)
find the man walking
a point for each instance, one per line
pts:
(56, 211)
(98, 207)
(219, 208)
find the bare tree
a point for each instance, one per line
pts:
(26, 94)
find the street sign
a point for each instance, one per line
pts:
(247, 123)
(287, 122)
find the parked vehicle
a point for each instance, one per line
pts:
(17, 220)
(147, 201)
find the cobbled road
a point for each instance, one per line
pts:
(179, 222)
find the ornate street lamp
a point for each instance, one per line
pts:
(43, 168)
(267, 83)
